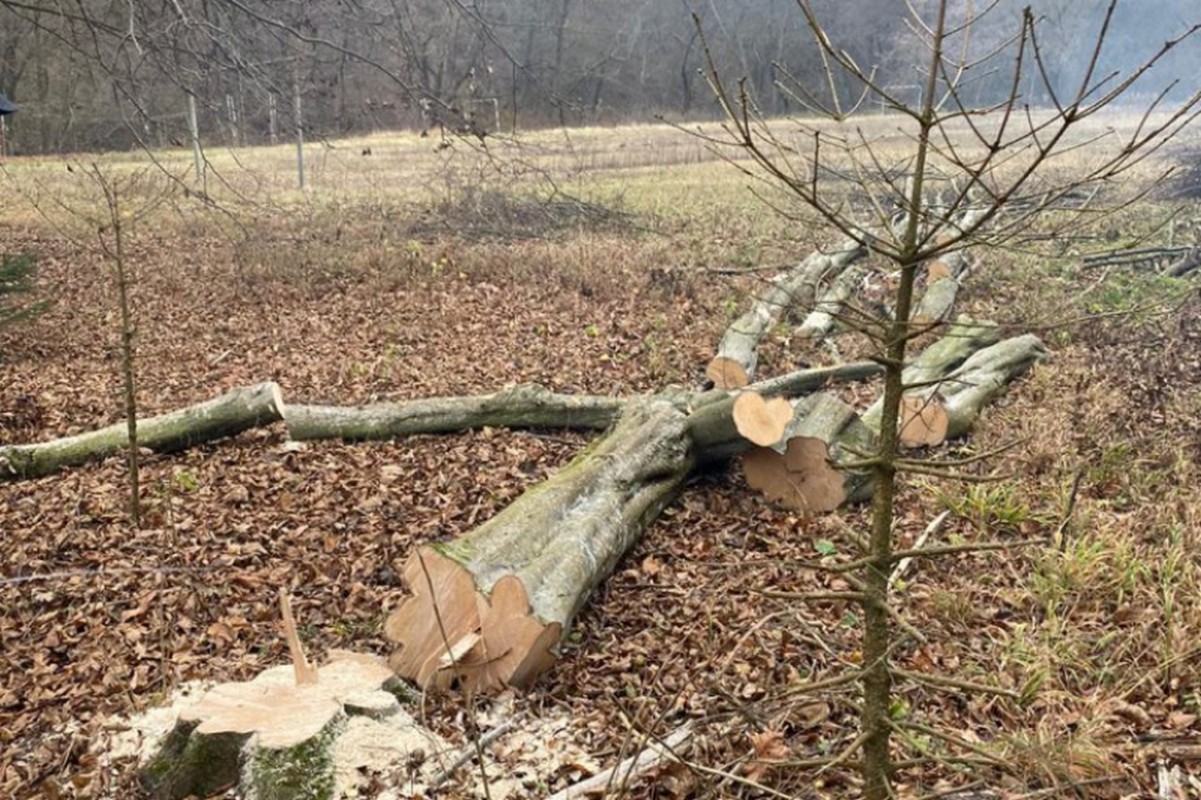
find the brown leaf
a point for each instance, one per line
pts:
(770, 749)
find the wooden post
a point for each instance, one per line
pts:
(231, 113)
(194, 129)
(272, 119)
(296, 113)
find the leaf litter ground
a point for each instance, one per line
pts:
(100, 620)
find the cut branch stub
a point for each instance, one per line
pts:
(801, 478)
(923, 421)
(936, 271)
(761, 421)
(726, 373)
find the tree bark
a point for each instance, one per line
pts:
(489, 607)
(983, 376)
(945, 275)
(227, 415)
(829, 307)
(734, 365)
(525, 406)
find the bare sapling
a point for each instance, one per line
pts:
(978, 168)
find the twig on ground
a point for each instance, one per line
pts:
(636, 766)
(469, 752)
(898, 572)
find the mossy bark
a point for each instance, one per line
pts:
(526, 406)
(227, 415)
(189, 764)
(303, 771)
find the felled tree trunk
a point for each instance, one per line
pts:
(940, 359)
(227, 415)
(734, 365)
(800, 472)
(488, 609)
(526, 406)
(982, 377)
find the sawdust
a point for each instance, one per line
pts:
(393, 756)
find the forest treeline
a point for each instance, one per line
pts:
(97, 74)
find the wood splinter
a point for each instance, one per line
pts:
(306, 673)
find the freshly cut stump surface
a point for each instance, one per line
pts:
(269, 737)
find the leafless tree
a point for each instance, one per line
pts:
(970, 174)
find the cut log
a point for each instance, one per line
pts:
(944, 277)
(489, 608)
(808, 470)
(801, 478)
(982, 377)
(923, 422)
(269, 736)
(937, 302)
(761, 421)
(526, 406)
(802, 473)
(947, 409)
(228, 415)
(939, 360)
(733, 367)
(830, 307)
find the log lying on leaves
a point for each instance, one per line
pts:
(944, 277)
(489, 608)
(734, 365)
(228, 415)
(808, 469)
(958, 400)
(800, 471)
(960, 340)
(831, 306)
(270, 736)
(525, 406)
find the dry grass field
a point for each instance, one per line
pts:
(605, 261)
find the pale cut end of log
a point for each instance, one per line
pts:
(726, 373)
(801, 479)
(761, 421)
(936, 271)
(456, 636)
(519, 647)
(923, 421)
(441, 611)
(305, 673)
